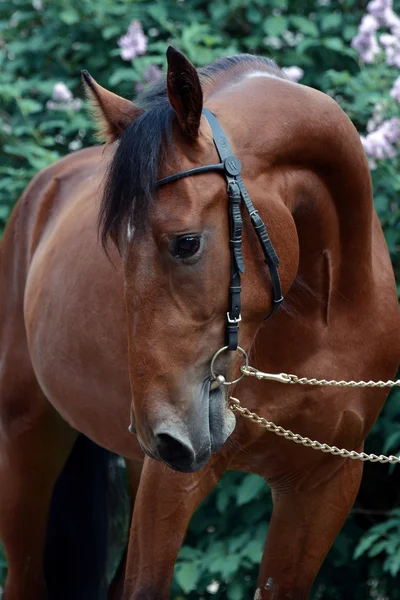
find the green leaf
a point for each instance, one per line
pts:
(222, 502)
(190, 554)
(365, 544)
(28, 106)
(304, 25)
(226, 566)
(331, 20)
(334, 43)
(187, 574)
(69, 16)
(254, 15)
(111, 31)
(250, 487)
(236, 591)
(378, 548)
(392, 564)
(392, 442)
(254, 550)
(275, 26)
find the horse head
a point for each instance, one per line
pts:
(174, 241)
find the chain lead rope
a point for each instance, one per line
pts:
(234, 405)
(287, 378)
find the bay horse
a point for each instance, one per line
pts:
(93, 344)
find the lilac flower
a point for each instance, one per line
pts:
(366, 45)
(395, 91)
(151, 74)
(368, 25)
(387, 40)
(134, 42)
(61, 93)
(377, 8)
(392, 47)
(376, 119)
(379, 144)
(72, 104)
(293, 73)
(392, 21)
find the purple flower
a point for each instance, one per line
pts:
(151, 74)
(366, 45)
(391, 43)
(387, 40)
(376, 119)
(134, 42)
(392, 21)
(293, 73)
(377, 8)
(379, 144)
(61, 93)
(395, 91)
(393, 54)
(368, 25)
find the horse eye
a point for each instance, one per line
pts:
(186, 246)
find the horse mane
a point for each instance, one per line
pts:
(130, 185)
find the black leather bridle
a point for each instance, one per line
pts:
(230, 167)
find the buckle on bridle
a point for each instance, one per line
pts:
(234, 319)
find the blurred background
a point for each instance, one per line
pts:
(350, 50)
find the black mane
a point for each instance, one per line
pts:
(131, 179)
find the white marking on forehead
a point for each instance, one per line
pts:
(130, 230)
(261, 74)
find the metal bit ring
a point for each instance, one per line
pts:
(215, 376)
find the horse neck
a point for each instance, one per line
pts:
(305, 156)
(333, 222)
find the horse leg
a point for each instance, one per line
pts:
(134, 470)
(34, 446)
(165, 503)
(304, 525)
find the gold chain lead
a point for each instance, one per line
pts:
(287, 378)
(234, 405)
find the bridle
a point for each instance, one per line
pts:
(230, 167)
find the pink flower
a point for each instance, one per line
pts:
(61, 93)
(134, 42)
(293, 73)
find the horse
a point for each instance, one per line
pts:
(114, 299)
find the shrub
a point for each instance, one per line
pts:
(343, 49)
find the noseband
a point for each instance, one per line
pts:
(231, 167)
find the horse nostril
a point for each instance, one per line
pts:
(174, 451)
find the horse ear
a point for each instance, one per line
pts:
(113, 114)
(184, 92)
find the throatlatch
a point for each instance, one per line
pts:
(231, 168)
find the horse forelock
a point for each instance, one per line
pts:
(131, 182)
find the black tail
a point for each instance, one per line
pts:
(75, 556)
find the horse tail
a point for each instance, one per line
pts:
(75, 557)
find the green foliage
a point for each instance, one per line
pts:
(44, 42)
(225, 541)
